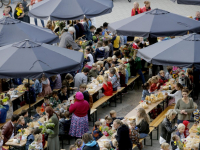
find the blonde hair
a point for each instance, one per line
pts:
(115, 143)
(38, 109)
(170, 113)
(136, 3)
(99, 44)
(109, 59)
(123, 60)
(149, 81)
(114, 57)
(162, 71)
(105, 79)
(112, 112)
(195, 105)
(122, 70)
(146, 2)
(94, 65)
(101, 63)
(164, 146)
(133, 122)
(181, 125)
(154, 79)
(107, 145)
(38, 137)
(142, 116)
(21, 118)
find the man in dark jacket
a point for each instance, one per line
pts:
(122, 137)
(81, 28)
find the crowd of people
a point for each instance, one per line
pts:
(104, 52)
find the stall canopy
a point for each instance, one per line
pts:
(156, 23)
(187, 2)
(12, 30)
(70, 9)
(182, 51)
(28, 59)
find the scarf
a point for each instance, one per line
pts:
(19, 11)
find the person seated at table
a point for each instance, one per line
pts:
(52, 81)
(46, 102)
(107, 146)
(63, 94)
(38, 141)
(108, 63)
(99, 30)
(115, 60)
(109, 121)
(107, 49)
(89, 58)
(187, 124)
(113, 115)
(145, 91)
(68, 82)
(96, 133)
(27, 119)
(114, 78)
(147, 6)
(162, 79)
(142, 122)
(168, 74)
(99, 51)
(177, 95)
(81, 78)
(39, 113)
(29, 94)
(62, 123)
(107, 86)
(46, 88)
(102, 68)
(54, 100)
(164, 146)
(95, 37)
(180, 132)
(93, 72)
(21, 124)
(122, 76)
(134, 135)
(155, 85)
(136, 9)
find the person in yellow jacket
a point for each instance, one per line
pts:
(116, 42)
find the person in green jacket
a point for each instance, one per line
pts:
(93, 72)
(53, 139)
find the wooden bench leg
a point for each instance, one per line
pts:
(151, 138)
(157, 132)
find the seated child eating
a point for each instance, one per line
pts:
(155, 85)
(96, 133)
(196, 114)
(108, 146)
(168, 74)
(181, 129)
(114, 60)
(114, 78)
(24, 113)
(186, 132)
(21, 124)
(176, 143)
(38, 142)
(165, 146)
(54, 100)
(113, 115)
(162, 79)
(39, 113)
(134, 135)
(46, 102)
(93, 72)
(145, 91)
(108, 121)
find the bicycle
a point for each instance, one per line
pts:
(4, 2)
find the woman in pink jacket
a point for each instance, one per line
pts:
(79, 110)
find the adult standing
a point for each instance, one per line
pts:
(166, 127)
(67, 39)
(136, 9)
(81, 78)
(184, 107)
(19, 12)
(142, 122)
(86, 27)
(122, 137)
(35, 19)
(90, 143)
(81, 28)
(46, 89)
(146, 7)
(58, 82)
(79, 122)
(53, 139)
(26, 10)
(8, 130)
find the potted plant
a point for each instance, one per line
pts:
(3, 108)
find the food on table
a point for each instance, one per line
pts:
(160, 96)
(144, 105)
(26, 81)
(91, 91)
(100, 78)
(90, 86)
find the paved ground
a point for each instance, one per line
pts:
(122, 9)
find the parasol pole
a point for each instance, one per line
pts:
(29, 95)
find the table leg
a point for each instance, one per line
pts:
(163, 105)
(93, 116)
(96, 115)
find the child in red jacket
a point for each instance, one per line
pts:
(162, 79)
(155, 85)
(186, 132)
(107, 86)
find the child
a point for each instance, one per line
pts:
(145, 91)
(114, 79)
(31, 138)
(72, 147)
(155, 85)
(96, 133)
(196, 114)
(113, 115)
(162, 79)
(165, 146)
(108, 63)
(78, 144)
(111, 47)
(38, 142)
(93, 72)
(6, 12)
(62, 124)
(177, 95)
(181, 129)
(107, 86)
(39, 113)
(103, 124)
(102, 68)
(67, 121)
(134, 135)
(107, 49)
(46, 102)
(127, 72)
(184, 80)
(122, 76)
(108, 121)
(114, 60)
(89, 58)
(63, 96)
(1, 140)
(186, 132)
(21, 124)
(176, 143)
(24, 113)
(100, 51)
(107, 145)
(149, 81)
(168, 74)
(54, 100)
(115, 144)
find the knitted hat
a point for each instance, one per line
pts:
(79, 96)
